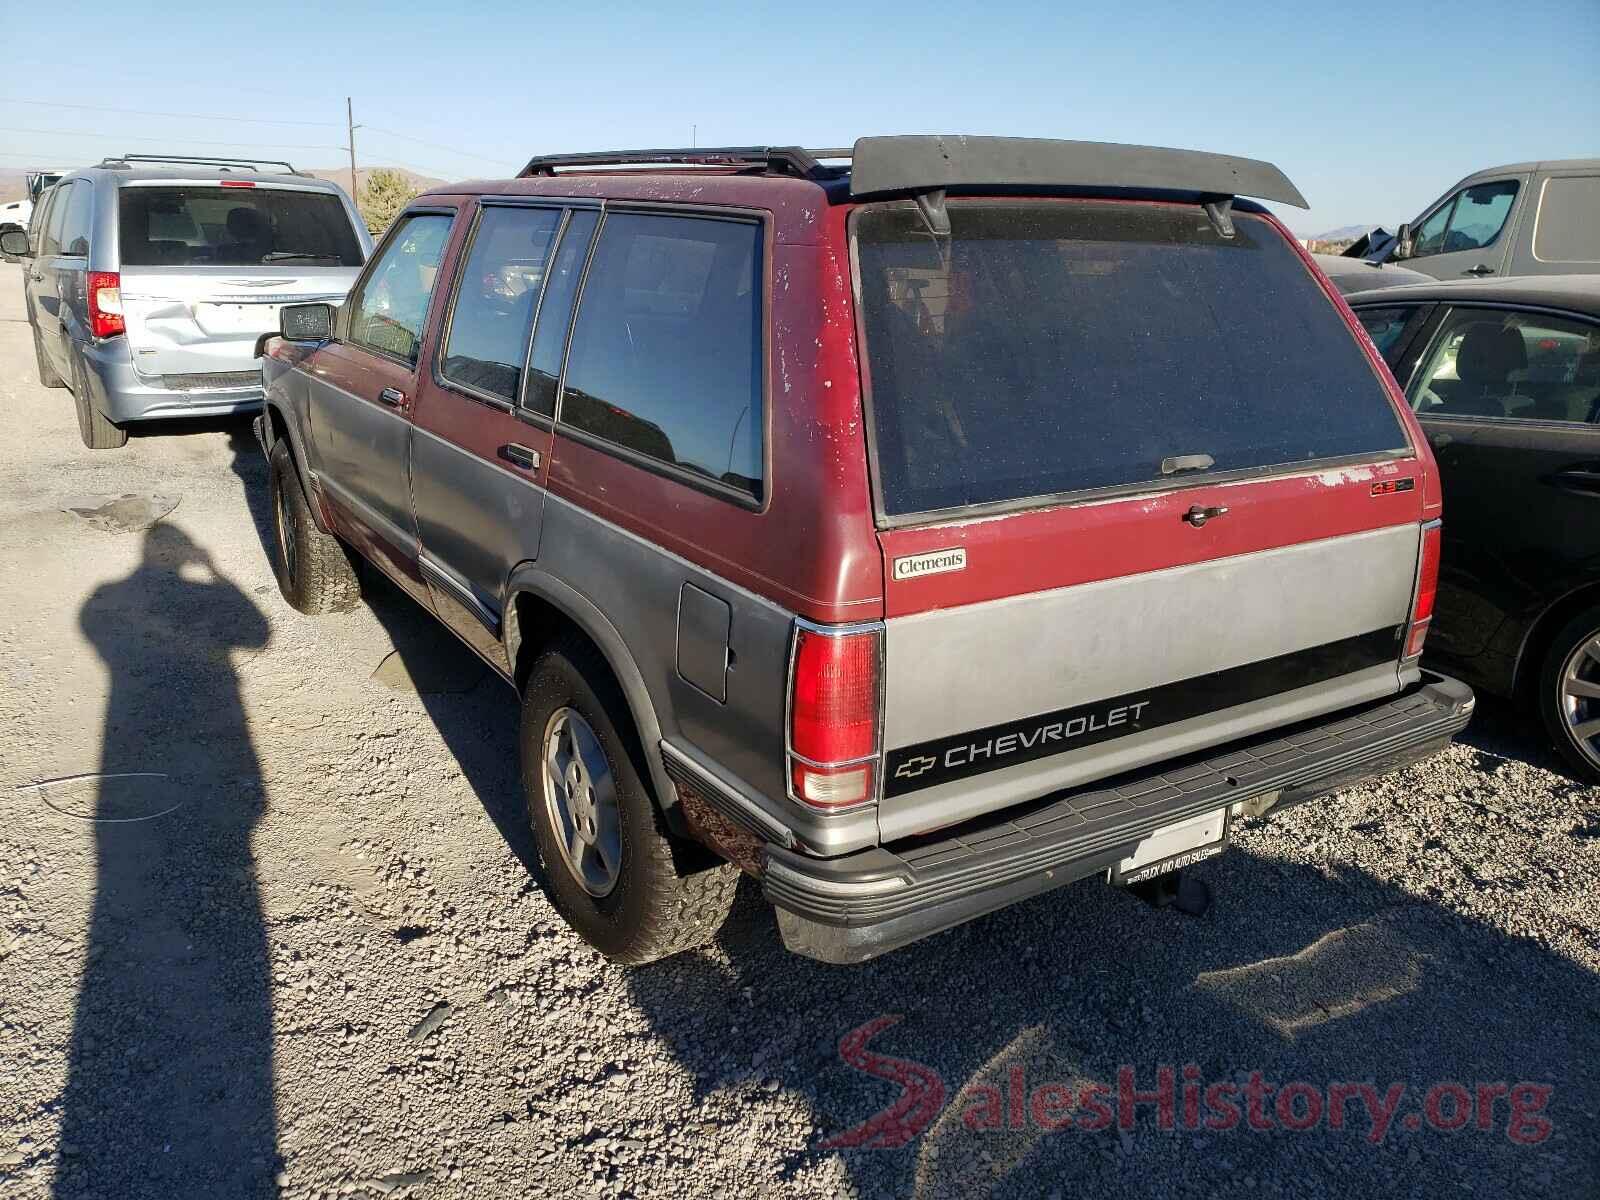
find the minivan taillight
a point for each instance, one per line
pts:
(1427, 590)
(834, 692)
(105, 304)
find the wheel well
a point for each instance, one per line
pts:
(1537, 642)
(280, 427)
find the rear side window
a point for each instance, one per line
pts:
(1568, 228)
(234, 227)
(1051, 347)
(75, 223)
(494, 304)
(666, 350)
(1387, 327)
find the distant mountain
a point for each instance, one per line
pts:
(1345, 233)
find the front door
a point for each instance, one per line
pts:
(1467, 235)
(362, 387)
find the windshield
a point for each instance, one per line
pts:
(1049, 347)
(234, 227)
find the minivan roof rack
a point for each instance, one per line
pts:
(781, 160)
(191, 160)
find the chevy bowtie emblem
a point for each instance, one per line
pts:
(913, 767)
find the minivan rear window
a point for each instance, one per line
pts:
(1049, 347)
(234, 227)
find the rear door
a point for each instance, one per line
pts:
(1142, 491)
(1565, 226)
(206, 266)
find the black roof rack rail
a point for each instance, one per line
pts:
(782, 160)
(932, 163)
(192, 160)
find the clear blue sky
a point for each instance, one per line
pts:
(1372, 110)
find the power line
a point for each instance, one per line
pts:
(434, 145)
(142, 112)
(117, 137)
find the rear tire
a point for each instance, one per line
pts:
(1569, 693)
(314, 570)
(47, 374)
(96, 430)
(641, 908)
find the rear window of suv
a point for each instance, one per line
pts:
(234, 227)
(1050, 347)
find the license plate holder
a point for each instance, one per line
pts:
(1179, 844)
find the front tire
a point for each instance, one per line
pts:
(1569, 693)
(314, 570)
(96, 430)
(607, 859)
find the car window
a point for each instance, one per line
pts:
(498, 289)
(234, 227)
(1568, 226)
(51, 242)
(77, 213)
(1386, 327)
(1046, 347)
(666, 349)
(39, 216)
(388, 314)
(1470, 220)
(1522, 366)
(555, 313)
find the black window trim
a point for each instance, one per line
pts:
(762, 219)
(440, 379)
(348, 308)
(521, 411)
(1419, 351)
(995, 508)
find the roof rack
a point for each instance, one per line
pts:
(190, 160)
(783, 160)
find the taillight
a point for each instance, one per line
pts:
(105, 304)
(833, 715)
(1427, 590)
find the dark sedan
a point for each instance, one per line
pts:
(1504, 375)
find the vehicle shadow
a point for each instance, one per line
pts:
(169, 1088)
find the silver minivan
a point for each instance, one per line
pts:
(150, 279)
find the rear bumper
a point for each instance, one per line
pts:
(855, 907)
(122, 394)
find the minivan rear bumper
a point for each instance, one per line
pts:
(122, 394)
(857, 906)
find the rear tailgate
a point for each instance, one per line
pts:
(1065, 601)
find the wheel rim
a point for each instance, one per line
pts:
(1579, 701)
(288, 548)
(580, 794)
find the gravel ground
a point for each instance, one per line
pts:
(285, 939)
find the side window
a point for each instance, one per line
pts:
(1471, 220)
(40, 218)
(388, 313)
(1522, 366)
(79, 210)
(1386, 327)
(666, 350)
(499, 288)
(1568, 230)
(51, 242)
(555, 313)
(1430, 234)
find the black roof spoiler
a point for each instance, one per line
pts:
(928, 163)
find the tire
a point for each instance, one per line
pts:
(1569, 693)
(47, 374)
(650, 910)
(97, 432)
(315, 572)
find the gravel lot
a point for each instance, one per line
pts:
(285, 940)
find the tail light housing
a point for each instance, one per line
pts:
(105, 304)
(835, 714)
(1427, 590)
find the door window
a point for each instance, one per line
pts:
(51, 243)
(1386, 327)
(1524, 366)
(497, 292)
(666, 351)
(1469, 220)
(388, 313)
(78, 211)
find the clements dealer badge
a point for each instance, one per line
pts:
(934, 562)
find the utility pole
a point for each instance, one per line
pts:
(350, 132)
(694, 136)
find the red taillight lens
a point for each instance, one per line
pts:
(1427, 590)
(105, 304)
(833, 716)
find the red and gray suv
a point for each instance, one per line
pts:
(914, 528)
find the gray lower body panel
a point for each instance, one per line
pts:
(122, 394)
(855, 907)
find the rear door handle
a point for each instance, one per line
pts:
(522, 456)
(1198, 516)
(1582, 478)
(1480, 269)
(393, 397)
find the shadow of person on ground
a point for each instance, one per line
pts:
(169, 1080)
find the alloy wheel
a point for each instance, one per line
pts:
(1579, 701)
(581, 797)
